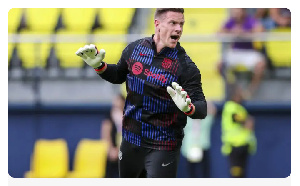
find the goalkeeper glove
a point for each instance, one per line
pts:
(180, 98)
(92, 57)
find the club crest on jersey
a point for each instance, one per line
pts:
(166, 64)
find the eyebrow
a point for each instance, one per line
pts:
(181, 22)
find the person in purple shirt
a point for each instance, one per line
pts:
(242, 51)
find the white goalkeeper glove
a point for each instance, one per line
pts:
(179, 98)
(91, 55)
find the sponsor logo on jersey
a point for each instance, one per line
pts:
(159, 77)
(137, 68)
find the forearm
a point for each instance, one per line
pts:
(113, 74)
(200, 110)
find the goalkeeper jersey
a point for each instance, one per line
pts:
(151, 119)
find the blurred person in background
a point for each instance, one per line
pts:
(281, 17)
(241, 51)
(263, 16)
(196, 144)
(238, 136)
(272, 18)
(163, 88)
(111, 131)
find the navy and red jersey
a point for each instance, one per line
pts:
(151, 119)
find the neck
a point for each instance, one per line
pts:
(158, 44)
(237, 100)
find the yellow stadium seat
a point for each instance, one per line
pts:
(78, 20)
(42, 20)
(10, 50)
(206, 55)
(113, 51)
(90, 159)
(33, 54)
(66, 54)
(150, 20)
(14, 19)
(279, 51)
(203, 20)
(50, 159)
(115, 20)
(65, 51)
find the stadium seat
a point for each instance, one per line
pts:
(90, 159)
(65, 51)
(14, 19)
(115, 20)
(50, 159)
(42, 20)
(10, 51)
(279, 51)
(113, 51)
(33, 54)
(78, 20)
(204, 20)
(206, 55)
(149, 29)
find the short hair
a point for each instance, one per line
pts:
(160, 11)
(232, 90)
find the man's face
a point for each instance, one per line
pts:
(237, 13)
(170, 27)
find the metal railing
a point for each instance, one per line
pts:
(107, 38)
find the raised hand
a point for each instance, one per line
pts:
(91, 55)
(179, 97)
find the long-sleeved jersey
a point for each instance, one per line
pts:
(151, 119)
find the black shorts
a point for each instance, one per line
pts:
(140, 162)
(238, 161)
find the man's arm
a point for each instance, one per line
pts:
(117, 74)
(191, 83)
(114, 73)
(189, 98)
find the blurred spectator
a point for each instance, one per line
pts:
(196, 144)
(271, 18)
(263, 16)
(242, 52)
(237, 134)
(111, 131)
(281, 17)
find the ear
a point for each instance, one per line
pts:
(156, 23)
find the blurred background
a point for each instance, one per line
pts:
(56, 101)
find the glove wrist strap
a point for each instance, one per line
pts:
(101, 68)
(192, 110)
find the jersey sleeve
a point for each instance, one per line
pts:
(117, 73)
(191, 83)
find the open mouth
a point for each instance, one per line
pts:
(175, 37)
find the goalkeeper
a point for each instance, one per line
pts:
(163, 88)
